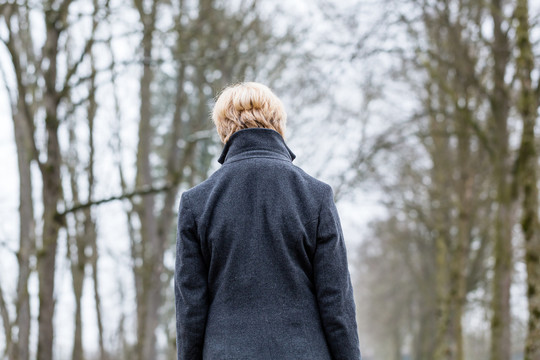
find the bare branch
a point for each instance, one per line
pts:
(138, 192)
(86, 50)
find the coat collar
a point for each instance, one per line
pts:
(253, 142)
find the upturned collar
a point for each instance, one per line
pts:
(255, 142)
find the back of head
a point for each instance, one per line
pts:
(248, 105)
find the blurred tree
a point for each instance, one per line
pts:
(450, 102)
(527, 167)
(151, 247)
(418, 243)
(470, 56)
(37, 103)
(82, 250)
(461, 71)
(23, 128)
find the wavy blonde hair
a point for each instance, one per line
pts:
(248, 105)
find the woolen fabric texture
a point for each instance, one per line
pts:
(261, 265)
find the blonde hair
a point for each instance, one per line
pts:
(248, 105)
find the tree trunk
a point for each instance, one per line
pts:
(502, 277)
(26, 153)
(77, 271)
(76, 248)
(97, 297)
(52, 194)
(23, 139)
(89, 222)
(151, 249)
(459, 265)
(6, 322)
(424, 346)
(440, 208)
(528, 178)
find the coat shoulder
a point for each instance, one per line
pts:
(203, 186)
(289, 175)
(317, 184)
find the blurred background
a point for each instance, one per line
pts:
(421, 114)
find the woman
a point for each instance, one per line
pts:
(261, 265)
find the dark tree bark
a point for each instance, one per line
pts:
(527, 168)
(500, 107)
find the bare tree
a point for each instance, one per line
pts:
(29, 102)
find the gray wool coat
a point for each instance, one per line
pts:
(261, 264)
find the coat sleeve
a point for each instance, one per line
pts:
(333, 284)
(191, 289)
